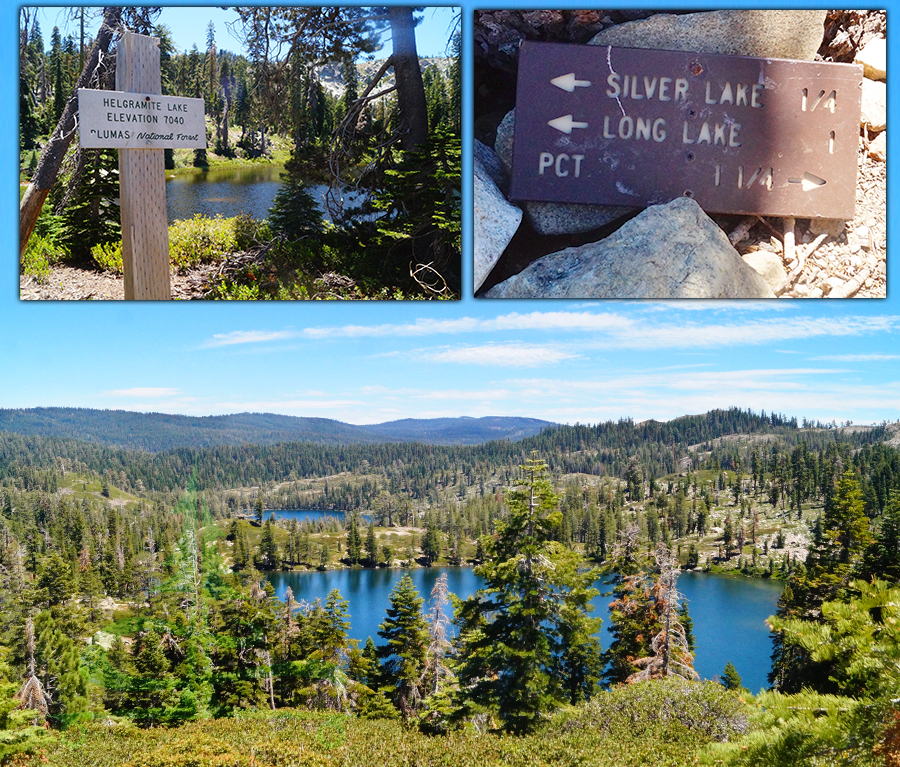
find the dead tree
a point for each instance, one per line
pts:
(671, 654)
(31, 694)
(54, 151)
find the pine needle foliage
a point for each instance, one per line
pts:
(526, 643)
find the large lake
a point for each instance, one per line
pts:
(229, 192)
(729, 613)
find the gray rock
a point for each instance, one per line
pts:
(554, 217)
(769, 265)
(668, 251)
(495, 223)
(767, 34)
(873, 113)
(874, 59)
(490, 163)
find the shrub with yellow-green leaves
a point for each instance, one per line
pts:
(195, 241)
(662, 723)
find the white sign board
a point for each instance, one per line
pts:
(139, 121)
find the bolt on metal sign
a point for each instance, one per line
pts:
(635, 127)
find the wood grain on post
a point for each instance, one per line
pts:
(142, 182)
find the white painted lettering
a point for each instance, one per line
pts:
(720, 135)
(643, 129)
(664, 88)
(741, 95)
(704, 137)
(649, 87)
(606, 131)
(684, 135)
(708, 99)
(681, 89)
(626, 127)
(577, 158)
(754, 99)
(614, 88)
(727, 96)
(560, 173)
(634, 90)
(733, 135)
(545, 161)
(659, 130)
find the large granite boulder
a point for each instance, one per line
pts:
(668, 251)
(767, 34)
(495, 221)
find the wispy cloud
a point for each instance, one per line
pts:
(857, 357)
(502, 355)
(237, 337)
(643, 330)
(142, 391)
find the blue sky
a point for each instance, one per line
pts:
(188, 23)
(564, 361)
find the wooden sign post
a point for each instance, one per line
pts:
(142, 182)
(141, 123)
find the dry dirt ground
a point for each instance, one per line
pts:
(68, 283)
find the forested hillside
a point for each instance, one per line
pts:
(607, 449)
(161, 431)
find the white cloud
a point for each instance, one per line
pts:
(856, 357)
(644, 330)
(248, 337)
(503, 355)
(142, 391)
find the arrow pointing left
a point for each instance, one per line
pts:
(569, 83)
(565, 124)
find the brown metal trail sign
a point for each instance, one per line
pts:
(141, 123)
(636, 127)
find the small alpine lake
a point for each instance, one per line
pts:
(729, 613)
(230, 191)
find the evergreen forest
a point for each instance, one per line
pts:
(138, 626)
(305, 91)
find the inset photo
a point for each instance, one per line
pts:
(650, 154)
(250, 153)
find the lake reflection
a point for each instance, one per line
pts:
(729, 613)
(231, 191)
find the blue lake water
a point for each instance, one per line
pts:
(729, 613)
(305, 515)
(231, 191)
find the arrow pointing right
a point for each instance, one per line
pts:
(569, 83)
(565, 124)
(808, 182)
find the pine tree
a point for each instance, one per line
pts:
(268, 547)
(354, 540)
(526, 643)
(731, 680)
(403, 657)
(882, 557)
(431, 545)
(372, 545)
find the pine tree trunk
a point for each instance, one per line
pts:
(55, 150)
(408, 76)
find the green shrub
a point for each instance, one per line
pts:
(108, 256)
(39, 256)
(201, 239)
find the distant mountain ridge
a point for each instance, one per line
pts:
(155, 432)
